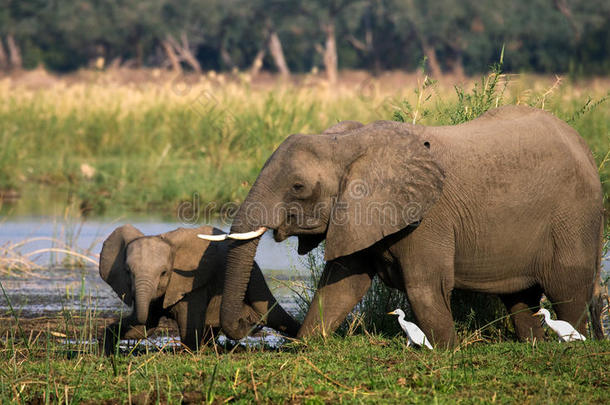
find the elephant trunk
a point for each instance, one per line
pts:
(240, 259)
(239, 266)
(144, 293)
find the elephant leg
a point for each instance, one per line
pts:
(189, 314)
(262, 300)
(113, 333)
(519, 305)
(427, 262)
(571, 285)
(431, 308)
(342, 285)
(571, 307)
(127, 328)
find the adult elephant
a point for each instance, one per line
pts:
(509, 203)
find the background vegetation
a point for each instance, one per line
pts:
(146, 141)
(458, 36)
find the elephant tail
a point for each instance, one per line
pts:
(597, 300)
(595, 309)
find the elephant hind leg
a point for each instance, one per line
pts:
(521, 306)
(571, 306)
(571, 286)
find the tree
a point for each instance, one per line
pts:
(326, 13)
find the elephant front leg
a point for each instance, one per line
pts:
(190, 315)
(127, 328)
(433, 314)
(342, 285)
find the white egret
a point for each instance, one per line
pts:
(564, 330)
(414, 334)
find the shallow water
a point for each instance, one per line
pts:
(264, 339)
(55, 288)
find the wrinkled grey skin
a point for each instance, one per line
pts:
(179, 276)
(509, 204)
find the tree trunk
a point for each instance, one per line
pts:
(171, 55)
(187, 55)
(15, 54)
(330, 54)
(225, 56)
(139, 54)
(3, 57)
(457, 66)
(435, 67)
(563, 8)
(180, 52)
(257, 64)
(277, 53)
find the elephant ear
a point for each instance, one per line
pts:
(390, 184)
(112, 261)
(196, 262)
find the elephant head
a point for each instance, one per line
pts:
(352, 185)
(141, 268)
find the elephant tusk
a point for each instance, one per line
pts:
(237, 236)
(248, 235)
(213, 238)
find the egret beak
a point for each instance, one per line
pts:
(537, 314)
(237, 236)
(391, 313)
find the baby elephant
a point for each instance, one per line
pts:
(179, 276)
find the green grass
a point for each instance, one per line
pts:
(353, 369)
(152, 146)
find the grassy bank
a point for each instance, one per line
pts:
(110, 142)
(355, 369)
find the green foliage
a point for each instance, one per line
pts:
(483, 96)
(463, 36)
(352, 369)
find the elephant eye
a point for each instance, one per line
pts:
(297, 187)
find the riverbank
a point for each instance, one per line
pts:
(185, 146)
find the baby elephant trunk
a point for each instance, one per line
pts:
(144, 292)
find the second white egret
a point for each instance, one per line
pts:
(564, 330)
